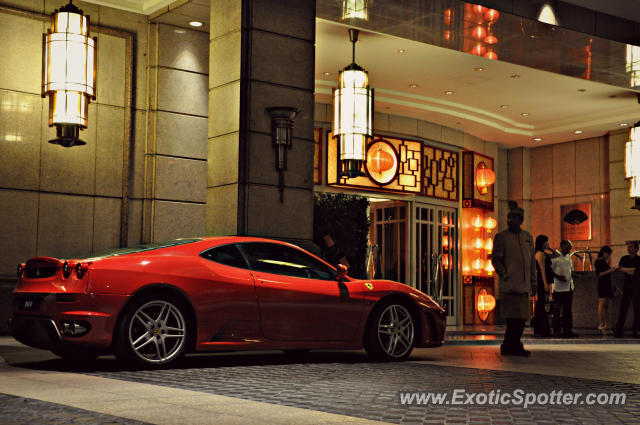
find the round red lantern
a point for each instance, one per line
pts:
(479, 9)
(479, 32)
(380, 161)
(491, 55)
(485, 177)
(478, 50)
(491, 15)
(485, 304)
(490, 223)
(491, 39)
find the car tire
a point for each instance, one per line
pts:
(391, 332)
(154, 331)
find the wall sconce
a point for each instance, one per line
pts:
(485, 304)
(478, 178)
(485, 177)
(353, 114)
(68, 73)
(355, 9)
(282, 136)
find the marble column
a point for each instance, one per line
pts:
(261, 55)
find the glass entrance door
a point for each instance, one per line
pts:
(389, 235)
(436, 255)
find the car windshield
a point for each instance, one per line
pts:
(139, 248)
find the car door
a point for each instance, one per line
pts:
(299, 297)
(229, 307)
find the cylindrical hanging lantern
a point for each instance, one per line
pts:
(355, 9)
(68, 73)
(632, 161)
(353, 115)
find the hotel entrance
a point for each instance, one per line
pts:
(416, 244)
(435, 255)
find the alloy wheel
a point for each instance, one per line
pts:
(157, 332)
(396, 331)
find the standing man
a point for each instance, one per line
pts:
(630, 266)
(563, 292)
(515, 264)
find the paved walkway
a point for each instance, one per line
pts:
(323, 387)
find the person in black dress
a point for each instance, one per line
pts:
(630, 266)
(605, 292)
(540, 319)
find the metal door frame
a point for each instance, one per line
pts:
(453, 316)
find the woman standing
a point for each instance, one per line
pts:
(605, 293)
(545, 287)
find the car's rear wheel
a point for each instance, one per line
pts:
(391, 332)
(153, 331)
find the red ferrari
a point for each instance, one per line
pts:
(154, 303)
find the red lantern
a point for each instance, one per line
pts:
(479, 9)
(490, 39)
(477, 264)
(380, 162)
(479, 32)
(491, 15)
(491, 55)
(447, 35)
(478, 50)
(485, 304)
(485, 177)
(447, 16)
(476, 221)
(490, 223)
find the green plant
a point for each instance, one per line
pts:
(341, 229)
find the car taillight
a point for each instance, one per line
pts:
(81, 269)
(66, 269)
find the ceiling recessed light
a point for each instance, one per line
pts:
(449, 92)
(326, 73)
(504, 106)
(623, 124)
(514, 76)
(401, 51)
(478, 69)
(538, 139)
(413, 86)
(525, 114)
(195, 23)
(180, 31)
(578, 132)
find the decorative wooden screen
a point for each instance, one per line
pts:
(400, 165)
(440, 173)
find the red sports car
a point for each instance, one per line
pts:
(154, 303)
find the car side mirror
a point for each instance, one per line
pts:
(342, 272)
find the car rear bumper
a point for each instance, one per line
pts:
(50, 319)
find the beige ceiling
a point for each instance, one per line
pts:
(556, 105)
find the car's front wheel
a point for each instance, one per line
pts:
(153, 330)
(391, 332)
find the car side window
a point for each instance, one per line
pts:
(284, 260)
(226, 254)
